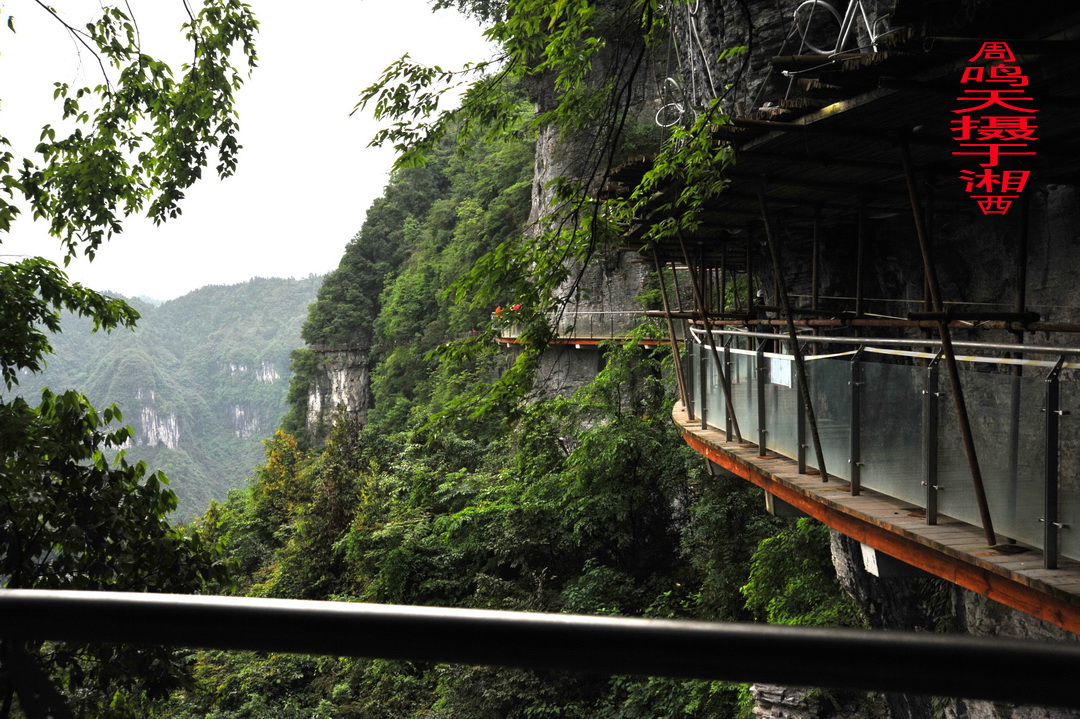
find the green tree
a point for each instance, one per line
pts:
(792, 580)
(584, 64)
(69, 519)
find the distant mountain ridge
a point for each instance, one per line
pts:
(201, 381)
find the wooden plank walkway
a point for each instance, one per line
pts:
(1010, 574)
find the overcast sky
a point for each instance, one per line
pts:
(305, 177)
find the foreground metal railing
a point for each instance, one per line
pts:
(995, 669)
(885, 423)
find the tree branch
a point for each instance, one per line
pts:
(80, 36)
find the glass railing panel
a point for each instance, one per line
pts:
(1069, 471)
(690, 373)
(782, 407)
(891, 430)
(1007, 426)
(1006, 417)
(714, 395)
(830, 392)
(744, 392)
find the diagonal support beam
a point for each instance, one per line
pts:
(800, 364)
(671, 332)
(947, 349)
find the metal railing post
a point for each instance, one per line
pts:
(762, 430)
(691, 379)
(930, 439)
(855, 436)
(727, 380)
(1050, 500)
(800, 421)
(703, 369)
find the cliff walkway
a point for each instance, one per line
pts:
(888, 465)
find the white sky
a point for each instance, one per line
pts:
(305, 176)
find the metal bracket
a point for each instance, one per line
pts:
(1055, 372)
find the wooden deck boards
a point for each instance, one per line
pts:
(950, 549)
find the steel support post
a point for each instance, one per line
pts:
(675, 281)
(815, 262)
(727, 385)
(1012, 439)
(860, 261)
(723, 277)
(855, 434)
(800, 424)
(761, 372)
(1051, 525)
(930, 440)
(703, 374)
(691, 379)
(703, 280)
(1019, 307)
(800, 366)
(749, 274)
(671, 331)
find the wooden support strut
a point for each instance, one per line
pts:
(800, 364)
(947, 349)
(720, 372)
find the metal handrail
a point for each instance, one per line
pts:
(905, 342)
(973, 667)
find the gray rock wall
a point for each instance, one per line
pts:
(340, 379)
(935, 605)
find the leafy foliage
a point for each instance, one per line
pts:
(791, 580)
(72, 520)
(139, 143)
(584, 64)
(592, 504)
(32, 294)
(464, 491)
(68, 517)
(348, 300)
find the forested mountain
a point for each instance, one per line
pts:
(201, 380)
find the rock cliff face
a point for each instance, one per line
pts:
(153, 426)
(340, 379)
(154, 429)
(930, 604)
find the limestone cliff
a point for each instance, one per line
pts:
(340, 379)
